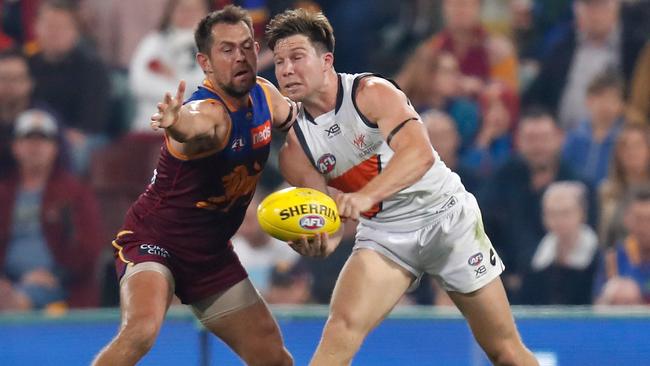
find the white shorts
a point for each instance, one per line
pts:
(454, 249)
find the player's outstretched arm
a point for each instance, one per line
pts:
(203, 119)
(382, 103)
(283, 109)
(298, 171)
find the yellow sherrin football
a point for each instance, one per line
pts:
(292, 212)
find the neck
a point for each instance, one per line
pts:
(565, 245)
(237, 102)
(33, 179)
(323, 100)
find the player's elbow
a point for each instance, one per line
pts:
(425, 158)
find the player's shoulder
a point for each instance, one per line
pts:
(209, 108)
(375, 88)
(264, 83)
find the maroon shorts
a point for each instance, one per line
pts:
(197, 276)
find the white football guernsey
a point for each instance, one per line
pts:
(349, 151)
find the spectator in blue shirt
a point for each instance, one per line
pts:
(588, 148)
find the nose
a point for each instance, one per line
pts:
(287, 68)
(239, 55)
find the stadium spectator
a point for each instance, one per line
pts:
(631, 256)
(49, 224)
(639, 102)
(599, 40)
(71, 79)
(445, 140)
(563, 266)
(289, 284)
(492, 145)
(588, 147)
(118, 26)
(482, 57)
(18, 19)
(15, 97)
(258, 252)
(511, 199)
(630, 168)
(165, 57)
(620, 291)
(433, 80)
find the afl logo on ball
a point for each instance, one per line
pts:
(326, 163)
(312, 222)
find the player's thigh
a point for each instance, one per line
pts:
(488, 313)
(241, 319)
(146, 291)
(367, 289)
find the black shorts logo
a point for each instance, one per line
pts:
(493, 257)
(480, 271)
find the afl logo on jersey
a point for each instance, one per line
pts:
(312, 222)
(326, 163)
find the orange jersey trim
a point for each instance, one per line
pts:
(357, 177)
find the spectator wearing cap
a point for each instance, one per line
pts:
(49, 224)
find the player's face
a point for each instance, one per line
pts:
(232, 63)
(299, 67)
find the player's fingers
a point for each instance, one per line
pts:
(167, 99)
(181, 91)
(156, 116)
(160, 106)
(323, 244)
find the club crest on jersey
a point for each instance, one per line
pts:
(261, 135)
(238, 144)
(359, 141)
(326, 163)
(312, 222)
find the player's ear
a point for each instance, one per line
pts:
(204, 62)
(328, 60)
(257, 47)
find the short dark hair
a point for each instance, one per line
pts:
(230, 14)
(12, 53)
(608, 79)
(535, 112)
(314, 26)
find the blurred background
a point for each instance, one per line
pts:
(541, 107)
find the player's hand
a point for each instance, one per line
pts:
(351, 205)
(169, 109)
(315, 246)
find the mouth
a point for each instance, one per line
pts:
(291, 85)
(242, 73)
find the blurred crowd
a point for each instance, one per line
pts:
(541, 107)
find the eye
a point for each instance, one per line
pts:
(226, 50)
(278, 61)
(248, 45)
